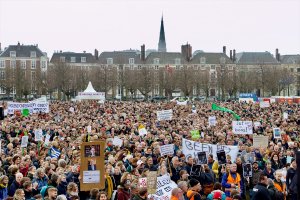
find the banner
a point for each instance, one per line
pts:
(167, 149)
(40, 107)
(242, 127)
(164, 188)
(264, 104)
(33, 107)
(212, 121)
(164, 115)
(191, 148)
(215, 107)
(260, 141)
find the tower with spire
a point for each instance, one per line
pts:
(162, 41)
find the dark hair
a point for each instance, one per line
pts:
(94, 192)
(217, 186)
(262, 177)
(99, 194)
(142, 191)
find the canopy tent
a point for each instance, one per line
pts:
(90, 94)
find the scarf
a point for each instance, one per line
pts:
(3, 186)
(109, 187)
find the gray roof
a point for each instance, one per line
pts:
(120, 57)
(165, 58)
(254, 58)
(290, 59)
(22, 51)
(89, 57)
(210, 58)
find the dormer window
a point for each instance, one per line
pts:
(12, 54)
(62, 59)
(156, 61)
(131, 61)
(202, 60)
(109, 61)
(32, 54)
(177, 61)
(73, 59)
(83, 59)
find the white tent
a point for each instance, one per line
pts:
(90, 94)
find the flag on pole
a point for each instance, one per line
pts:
(215, 107)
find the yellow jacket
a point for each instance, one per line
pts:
(215, 168)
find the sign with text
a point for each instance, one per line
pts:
(276, 133)
(242, 127)
(42, 107)
(164, 188)
(13, 106)
(212, 121)
(260, 141)
(38, 135)
(191, 148)
(164, 115)
(24, 141)
(151, 182)
(167, 149)
(264, 104)
(142, 182)
(117, 141)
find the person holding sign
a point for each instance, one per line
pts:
(193, 191)
(233, 180)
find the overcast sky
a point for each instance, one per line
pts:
(78, 25)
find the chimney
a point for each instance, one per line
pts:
(18, 46)
(277, 55)
(233, 56)
(186, 51)
(230, 54)
(84, 51)
(60, 51)
(143, 52)
(224, 50)
(96, 54)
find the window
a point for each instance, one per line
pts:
(33, 64)
(177, 61)
(43, 64)
(131, 61)
(12, 54)
(203, 67)
(62, 59)
(32, 54)
(177, 67)
(109, 61)
(131, 67)
(292, 70)
(194, 90)
(212, 67)
(13, 63)
(156, 61)
(156, 67)
(156, 89)
(83, 59)
(73, 59)
(213, 76)
(2, 75)
(195, 67)
(2, 90)
(33, 76)
(298, 69)
(230, 75)
(23, 64)
(202, 60)
(2, 63)
(139, 67)
(230, 67)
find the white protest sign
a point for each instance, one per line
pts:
(40, 107)
(182, 103)
(38, 135)
(212, 121)
(47, 139)
(89, 129)
(285, 115)
(91, 176)
(191, 148)
(164, 188)
(142, 130)
(264, 104)
(260, 141)
(117, 141)
(72, 110)
(167, 149)
(164, 115)
(242, 127)
(142, 182)
(5, 112)
(12, 106)
(257, 124)
(24, 141)
(276, 133)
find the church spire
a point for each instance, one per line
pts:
(162, 41)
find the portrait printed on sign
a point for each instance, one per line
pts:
(247, 170)
(92, 164)
(221, 157)
(91, 150)
(202, 158)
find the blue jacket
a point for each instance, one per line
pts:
(41, 182)
(13, 187)
(62, 188)
(3, 192)
(227, 185)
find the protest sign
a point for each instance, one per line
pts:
(264, 104)
(91, 176)
(247, 170)
(257, 124)
(164, 188)
(195, 134)
(151, 182)
(25, 112)
(142, 182)
(182, 103)
(202, 158)
(33, 107)
(164, 115)
(38, 107)
(117, 141)
(142, 130)
(191, 148)
(260, 141)
(72, 110)
(167, 149)
(89, 129)
(13, 106)
(24, 141)
(276, 133)
(47, 139)
(221, 157)
(242, 127)
(285, 115)
(38, 135)
(212, 121)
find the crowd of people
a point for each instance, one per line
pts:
(50, 169)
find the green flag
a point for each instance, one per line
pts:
(195, 134)
(25, 112)
(215, 107)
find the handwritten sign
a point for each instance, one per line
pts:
(264, 104)
(167, 149)
(242, 127)
(38, 135)
(164, 115)
(260, 141)
(24, 142)
(212, 121)
(164, 188)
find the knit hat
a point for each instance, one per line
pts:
(217, 195)
(193, 182)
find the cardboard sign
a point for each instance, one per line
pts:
(260, 141)
(151, 182)
(24, 142)
(117, 141)
(164, 188)
(276, 133)
(164, 115)
(221, 157)
(242, 127)
(212, 121)
(264, 104)
(167, 149)
(247, 170)
(202, 158)
(38, 135)
(191, 148)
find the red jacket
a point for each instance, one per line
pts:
(123, 194)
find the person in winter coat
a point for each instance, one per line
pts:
(217, 188)
(3, 187)
(260, 191)
(274, 193)
(291, 172)
(16, 184)
(142, 194)
(124, 188)
(41, 179)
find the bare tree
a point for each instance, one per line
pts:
(186, 80)
(130, 81)
(145, 81)
(7, 81)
